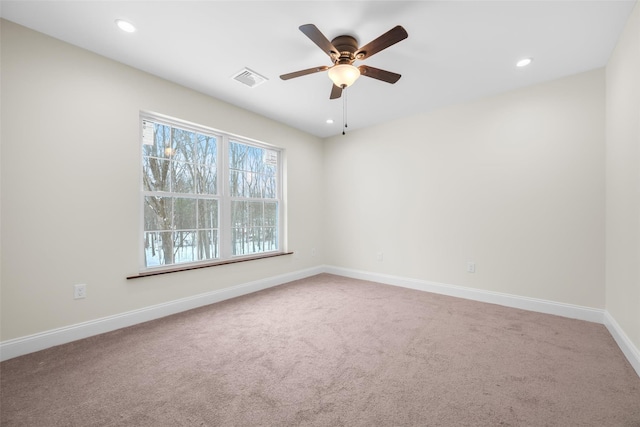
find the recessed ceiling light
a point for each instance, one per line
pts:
(125, 26)
(329, 121)
(524, 62)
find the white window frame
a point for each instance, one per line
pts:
(224, 197)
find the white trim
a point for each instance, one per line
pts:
(40, 341)
(631, 352)
(508, 300)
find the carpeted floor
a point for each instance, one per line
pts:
(331, 351)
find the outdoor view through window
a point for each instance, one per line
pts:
(207, 195)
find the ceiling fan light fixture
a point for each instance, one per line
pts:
(343, 75)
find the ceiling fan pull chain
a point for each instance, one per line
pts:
(344, 111)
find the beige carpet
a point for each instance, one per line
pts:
(331, 351)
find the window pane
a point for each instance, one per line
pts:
(207, 213)
(184, 145)
(240, 229)
(207, 179)
(208, 244)
(237, 155)
(254, 243)
(271, 214)
(184, 246)
(161, 147)
(185, 214)
(252, 173)
(256, 216)
(270, 238)
(207, 150)
(155, 174)
(239, 214)
(254, 227)
(253, 184)
(269, 187)
(206, 168)
(182, 176)
(157, 213)
(240, 240)
(158, 248)
(242, 184)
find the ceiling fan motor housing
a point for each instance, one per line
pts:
(347, 47)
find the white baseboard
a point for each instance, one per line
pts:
(532, 304)
(40, 341)
(628, 349)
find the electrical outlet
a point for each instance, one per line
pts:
(313, 252)
(379, 256)
(471, 267)
(79, 291)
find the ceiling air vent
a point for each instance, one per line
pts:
(249, 78)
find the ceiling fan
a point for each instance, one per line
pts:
(344, 51)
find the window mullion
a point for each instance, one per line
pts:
(225, 199)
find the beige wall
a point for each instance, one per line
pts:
(514, 183)
(623, 181)
(70, 192)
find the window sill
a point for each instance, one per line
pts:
(210, 264)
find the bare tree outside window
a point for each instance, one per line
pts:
(254, 209)
(184, 205)
(179, 172)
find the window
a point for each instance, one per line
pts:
(207, 196)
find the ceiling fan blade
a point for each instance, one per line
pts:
(336, 92)
(304, 72)
(377, 73)
(389, 38)
(319, 39)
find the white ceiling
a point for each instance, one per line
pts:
(456, 50)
